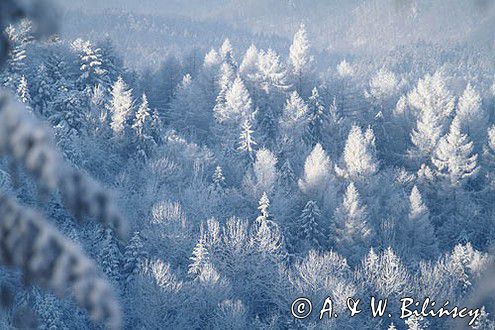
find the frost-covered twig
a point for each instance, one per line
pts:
(46, 258)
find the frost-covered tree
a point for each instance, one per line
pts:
(43, 92)
(91, 71)
(384, 274)
(271, 75)
(23, 92)
(263, 205)
(199, 259)
(310, 228)
(134, 258)
(18, 38)
(246, 140)
(227, 53)
(317, 176)
(225, 81)
(238, 104)
(434, 105)
(249, 64)
(263, 175)
(344, 69)
(294, 116)
(110, 256)
(287, 178)
(352, 233)
(300, 59)
(142, 119)
(489, 155)
(383, 85)
(120, 106)
(471, 113)
(218, 180)
(317, 119)
(420, 240)
(454, 158)
(359, 159)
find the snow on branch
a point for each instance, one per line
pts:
(46, 258)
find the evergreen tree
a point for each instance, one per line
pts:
(300, 59)
(90, 60)
(454, 158)
(43, 92)
(271, 75)
(249, 64)
(434, 105)
(199, 259)
(420, 237)
(471, 114)
(218, 180)
(359, 157)
(246, 141)
(351, 229)
(489, 156)
(310, 226)
(134, 258)
(317, 118)
(238, 104)
(294, 116)
(225, 81)
(287, 178)
(23, 92)
(18, 38)
(317, 174)
(142, 121)
(227, 54)
(264, 204)
(120, 106)
(110, 256)
(111, 63)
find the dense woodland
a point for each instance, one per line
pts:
(251, 178)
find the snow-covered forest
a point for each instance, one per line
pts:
(232, 169)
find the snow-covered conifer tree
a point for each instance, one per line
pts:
(110, 256)
(90, 64)
(352, 233)
(471, 113)
(287, 178)
(317, 175)
(263, 175)
(317, 118)
(454, 158)
(310, 228)
(434, 105)
(300, 59)
(23, 92)
(120, 106)
(294, 116)
(249, 64)
(420, 239)
(359, 159)
(218, 180)
(246, 140)
(142, 120)
(238, 104)
(134, 258)
(199, 259)
(263, 205)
